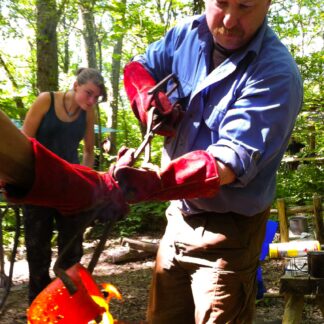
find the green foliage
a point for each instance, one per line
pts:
(300, 185)
(143, 218)
(8, 224)
(299, 26)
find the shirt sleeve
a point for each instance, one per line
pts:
(256, 128)
(158, 57)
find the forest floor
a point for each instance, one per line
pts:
(133, 280)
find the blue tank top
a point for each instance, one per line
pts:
(61, 137)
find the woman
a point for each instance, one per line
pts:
(60, 121)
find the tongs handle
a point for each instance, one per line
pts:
(149, 133)
(150, 129)
(159, 86)
(61, 273)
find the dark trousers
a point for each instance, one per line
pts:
(39, 225)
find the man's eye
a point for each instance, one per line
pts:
(247, 4)
(221, 4)
(244, 7)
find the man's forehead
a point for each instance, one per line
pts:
(244, 2)
(248, 2)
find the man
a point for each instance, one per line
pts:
(241, 92)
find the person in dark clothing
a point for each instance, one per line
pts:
(60, 121)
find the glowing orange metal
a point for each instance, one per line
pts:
(55, 305)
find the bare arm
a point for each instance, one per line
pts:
(36, 113)
(226, 174)
(88, 153)
(16, 156)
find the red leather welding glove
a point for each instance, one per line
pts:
(193, 175)
(70, 188)
(137, 83)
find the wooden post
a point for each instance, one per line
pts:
(283, 220)
(319, 227)
(293, 309)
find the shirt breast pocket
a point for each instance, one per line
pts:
(213, 116)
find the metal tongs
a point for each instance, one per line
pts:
(151, 127)
(61, 273)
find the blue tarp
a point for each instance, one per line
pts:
(105, 129)
(269, 236)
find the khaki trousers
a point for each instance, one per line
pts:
(205, 268)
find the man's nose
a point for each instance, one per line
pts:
(231, 18)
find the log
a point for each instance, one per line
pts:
(297, 209)
(140, 245)
(132, 250)
(291, 159)
(301, 285)
(307, 298)
(127, 255)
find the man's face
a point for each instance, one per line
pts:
(234, 22)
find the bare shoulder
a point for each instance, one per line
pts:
(42, 103)
(44, 98)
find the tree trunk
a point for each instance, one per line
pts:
(66, 54)
(89, 32)
(115, 77)
(17, 99)
(46, 40)
(90, 38)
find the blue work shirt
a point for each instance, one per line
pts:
(242, 112)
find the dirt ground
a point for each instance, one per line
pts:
(133, 279)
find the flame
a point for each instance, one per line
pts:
(113, 292)
(89, 304)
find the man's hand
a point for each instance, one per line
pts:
(125, 157)
(192, 175)
(138, 83)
